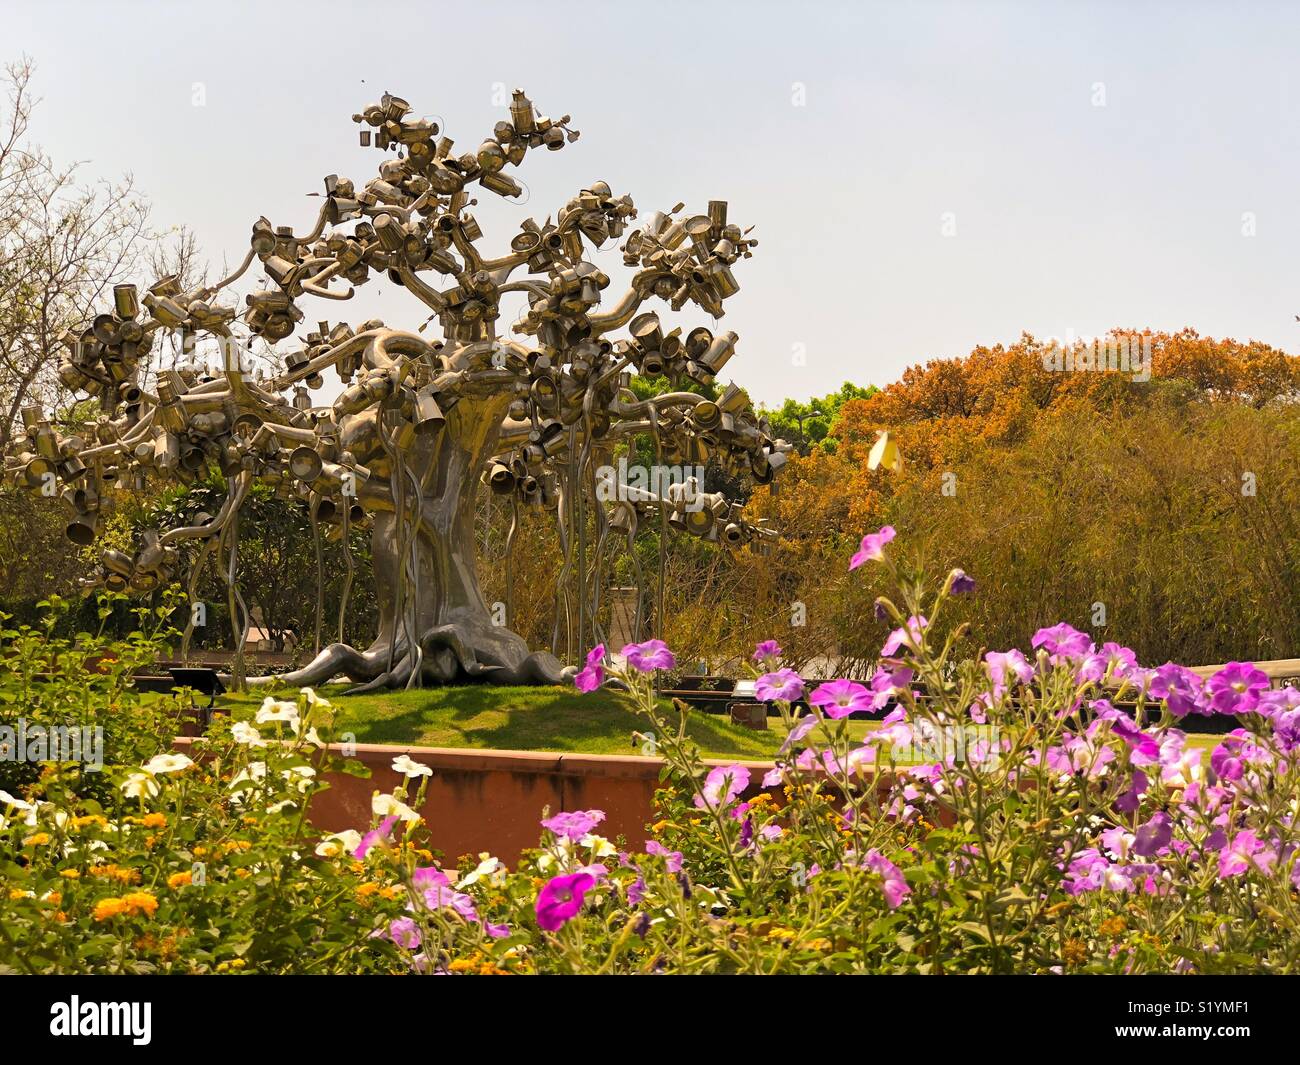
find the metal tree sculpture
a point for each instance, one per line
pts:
(422, 423)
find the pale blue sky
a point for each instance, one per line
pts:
(1070, 217)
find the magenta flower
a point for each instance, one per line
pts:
(1064, 640)
(767, 649)
(574, 824)
(783, 686)
(561, 899)
(375, 837)
(893, 883)
(839, 698)
(649, 656)
(1236, 688)
(872, 548)
(592, 676)
(723, 785)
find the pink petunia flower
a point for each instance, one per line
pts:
(574, 824)
(649, 656)
(723, 786)
(893, 884)
(839, 698)
(872, 547)
(784, 686)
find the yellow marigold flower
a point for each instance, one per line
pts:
(37, 839)
(18, 893)
(488, 969)
(364, 891)
(818, 944)
(242, 873)
(154, 821)
(140, 902)
(233, 965)
(89, 819)
(70, 874)
(179, 880)
(659, 826)
(248, 819)
(200, 851)
(115, 872)
(107, 909)
(427, 855)
(393, 891)
(781, 933)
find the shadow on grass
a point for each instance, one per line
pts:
(524, 718)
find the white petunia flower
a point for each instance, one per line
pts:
(243, 732)
(300, 776)
(488, 867)
(273, 710)
(168, 763)
(390, 806)
(140, 786)
(339, 843)
(410, 769)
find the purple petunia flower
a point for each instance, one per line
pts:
(592, 675)
(1154, 836)
(1182, 690)
(672, 859)
(1235, 689)
(649, 656)
(872, 547)
(1064, 640)
(767, 649)
(894, 884)
(722, 786)
(839, 698)
(574, 824)
(783, 686)
(561, 899)
(404, 932)
(960, 583)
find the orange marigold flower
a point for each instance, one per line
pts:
(140, 902)
(179, 880)
(107, 909)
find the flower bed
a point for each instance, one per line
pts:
(1005, 818)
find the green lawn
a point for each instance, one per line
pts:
(520, 719)
(533, 719)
